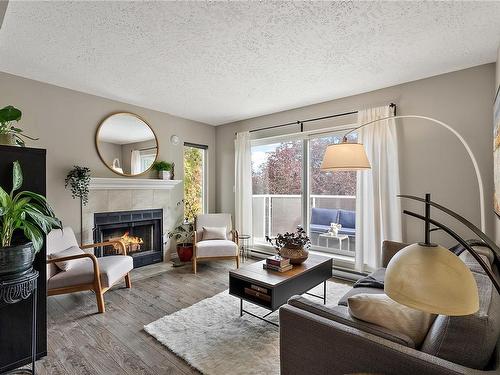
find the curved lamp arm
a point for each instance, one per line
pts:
(462, 242)
(464, 143)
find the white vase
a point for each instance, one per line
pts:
(165, 175)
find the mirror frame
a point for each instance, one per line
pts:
(101, 157)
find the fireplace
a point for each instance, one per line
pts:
(139, 230)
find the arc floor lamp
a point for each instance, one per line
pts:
(440, 282)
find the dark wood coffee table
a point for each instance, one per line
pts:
(270, 289)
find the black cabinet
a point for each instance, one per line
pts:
(15, 320)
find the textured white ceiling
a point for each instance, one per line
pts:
(218, 62)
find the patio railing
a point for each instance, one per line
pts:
(276, 213)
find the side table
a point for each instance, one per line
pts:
(245, 251)
(14, 291)
(339, 237)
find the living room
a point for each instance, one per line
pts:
(215, 187)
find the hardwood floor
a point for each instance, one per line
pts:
(80, 341)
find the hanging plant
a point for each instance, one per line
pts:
(78, 179)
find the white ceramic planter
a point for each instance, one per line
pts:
(165, 175)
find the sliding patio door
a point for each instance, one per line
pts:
(289, 189)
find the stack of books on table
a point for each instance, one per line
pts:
(258, 292)
(277, 263)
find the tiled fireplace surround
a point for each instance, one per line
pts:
(124, 194)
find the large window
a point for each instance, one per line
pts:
(195, 190)
(289, 189)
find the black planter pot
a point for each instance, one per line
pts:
(16, 260)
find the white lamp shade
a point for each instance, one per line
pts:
(345, 157)
(431, 279)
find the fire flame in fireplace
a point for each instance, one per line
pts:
(131, 240)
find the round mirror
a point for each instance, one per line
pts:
(126, 144)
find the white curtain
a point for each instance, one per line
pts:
(378, 209)
(243, 183)
(135, 162)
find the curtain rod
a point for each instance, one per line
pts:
(301, 122)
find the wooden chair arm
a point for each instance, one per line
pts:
(120, 244)
(235, 236)
(93, 258)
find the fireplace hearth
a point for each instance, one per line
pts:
(139, 230)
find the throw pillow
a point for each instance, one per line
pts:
(381, 310)
(67, 264)
(214, 233)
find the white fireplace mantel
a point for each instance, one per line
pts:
(105, 183)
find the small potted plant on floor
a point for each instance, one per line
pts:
(292, 245)
(164, 169)
(9, 133)
(183, 235)
(25, 212)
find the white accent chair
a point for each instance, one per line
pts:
(87, 272)
(215, 249)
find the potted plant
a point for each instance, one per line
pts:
(183, 235)
(78, 179)
(292, 245)
(164, 169)
(27, 212)
(10, 134)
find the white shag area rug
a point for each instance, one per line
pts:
(212, 337)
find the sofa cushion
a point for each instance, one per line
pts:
(112, 268)
(324, 216)
(383, 311)
(355, 291)
(67, 264)
(347, 219)
(214, 233)
(318, 228)
(60, 239)
(468, 340)
(340, 314)
(216, 248)
(348, 231)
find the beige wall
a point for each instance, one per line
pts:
(431, 158)
(66, 121)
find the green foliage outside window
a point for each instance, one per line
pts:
(193, 182)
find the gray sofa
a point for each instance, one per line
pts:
(318, 339)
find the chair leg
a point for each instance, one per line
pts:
(194, 265)
(100, 301)
(128, 282)
(237, 261)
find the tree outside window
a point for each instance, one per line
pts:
(193, 182)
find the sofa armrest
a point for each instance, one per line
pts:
(311, 344)
(389, 249)
(341, 315)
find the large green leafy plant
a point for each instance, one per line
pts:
(26, 211)
(183, 233)
(8, 116)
